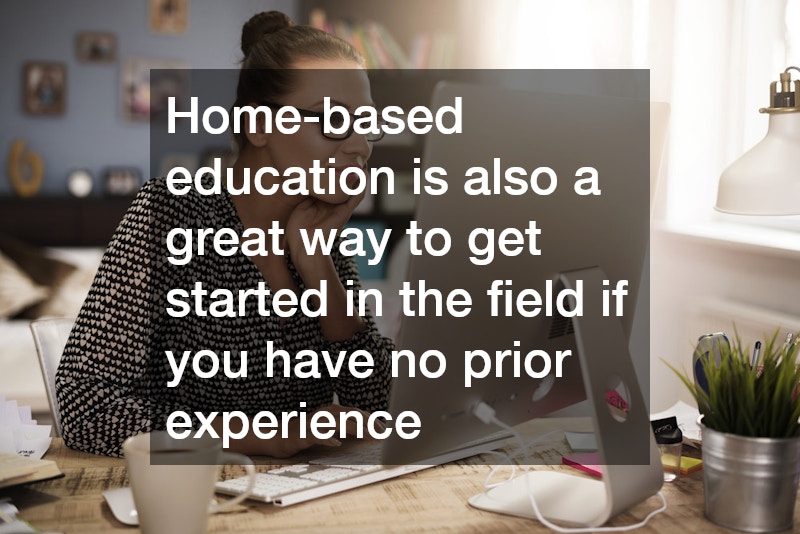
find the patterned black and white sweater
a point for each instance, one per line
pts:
(112, 379)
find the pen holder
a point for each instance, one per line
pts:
(671, 451)
(669, 439)
(750, 484)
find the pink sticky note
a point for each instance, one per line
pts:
(588, 462)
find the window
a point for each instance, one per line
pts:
(712, 60)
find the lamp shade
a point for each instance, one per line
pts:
(766, 179)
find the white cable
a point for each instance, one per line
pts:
(486, 414)
(506, 460)
(508, 457)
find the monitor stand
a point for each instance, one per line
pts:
(574, 500)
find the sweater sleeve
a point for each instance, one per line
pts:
(104, 383)
(370, 393)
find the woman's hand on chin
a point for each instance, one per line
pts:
(313, 214)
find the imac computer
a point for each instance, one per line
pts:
(552, 260)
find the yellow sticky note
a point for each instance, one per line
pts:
(690, 465)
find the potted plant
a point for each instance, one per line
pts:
(750, 434)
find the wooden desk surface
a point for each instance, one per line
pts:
(430, 500)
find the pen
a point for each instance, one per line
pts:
(787, 347)
(756, 350)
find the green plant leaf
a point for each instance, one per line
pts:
(740, 400)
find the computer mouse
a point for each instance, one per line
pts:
(120, 500)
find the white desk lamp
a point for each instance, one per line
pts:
(766, 179)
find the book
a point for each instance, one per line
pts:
(385, 61)
(344, 30)
(399, 59)
(361, 42)
(16, 470)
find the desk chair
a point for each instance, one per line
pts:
(50, 337)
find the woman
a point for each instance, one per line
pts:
(113, 378)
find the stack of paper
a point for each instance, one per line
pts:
(584, 445)
(9, 524)
(585, 457)
(19, 433)
(16, 470)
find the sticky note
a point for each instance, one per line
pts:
(586, 462)
(581, 441)
(690, 465)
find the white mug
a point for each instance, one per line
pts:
(173, 481)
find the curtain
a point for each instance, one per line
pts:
(713, 61)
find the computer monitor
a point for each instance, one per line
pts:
(584, 240)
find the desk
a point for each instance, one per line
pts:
(434, 499)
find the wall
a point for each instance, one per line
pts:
(92, 133)
(686, 271)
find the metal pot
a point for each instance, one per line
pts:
(750, 484)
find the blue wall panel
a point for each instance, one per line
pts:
(92, 133)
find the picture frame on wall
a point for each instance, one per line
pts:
(147, 84)
(96, 47)
(187, 160)
(121, 181)
(169, 16)
(45, 88)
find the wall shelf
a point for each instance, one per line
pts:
(62, 221)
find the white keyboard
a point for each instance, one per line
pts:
(279, 482)
(276, 483)
(302, 482)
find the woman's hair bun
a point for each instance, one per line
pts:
(262, 24)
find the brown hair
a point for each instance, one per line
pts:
(271, 44)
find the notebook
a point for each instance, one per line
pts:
(284, 486)
(16, 470)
